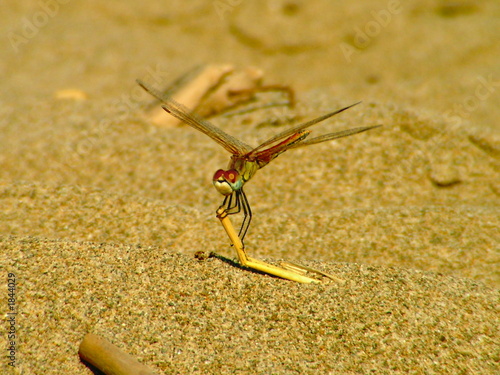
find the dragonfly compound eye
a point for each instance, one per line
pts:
(223, 181)
(219, 175)
(231, 176)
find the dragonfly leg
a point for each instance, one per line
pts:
(233, 204)
(247, 212)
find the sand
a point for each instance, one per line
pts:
(101, 212)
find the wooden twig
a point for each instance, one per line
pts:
(256, 264)
(109, 359)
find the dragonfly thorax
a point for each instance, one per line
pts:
(227, 181)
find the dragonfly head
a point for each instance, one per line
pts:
(227, 181)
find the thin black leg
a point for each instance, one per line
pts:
(247, 212)
(233, 204)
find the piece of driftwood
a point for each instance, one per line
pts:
(213, 89)
(109, 359)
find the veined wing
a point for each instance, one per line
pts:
(264, 157)
(298, 128)
(230, 143)
(331, 136)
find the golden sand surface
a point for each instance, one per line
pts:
(101, 212)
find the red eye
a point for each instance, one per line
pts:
(220, 173)
(231, 175)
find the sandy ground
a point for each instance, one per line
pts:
(101, 212)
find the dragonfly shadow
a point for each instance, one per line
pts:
(237, 265)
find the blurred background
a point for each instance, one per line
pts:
(439, 56)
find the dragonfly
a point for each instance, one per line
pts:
(247, 160)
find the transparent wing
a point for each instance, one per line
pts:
(298, 128)
(181, 81)
(230, 143)
(329, 137)
(265, 156)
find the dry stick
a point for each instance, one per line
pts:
(256, 264)
(299, 268)
(109, 359)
